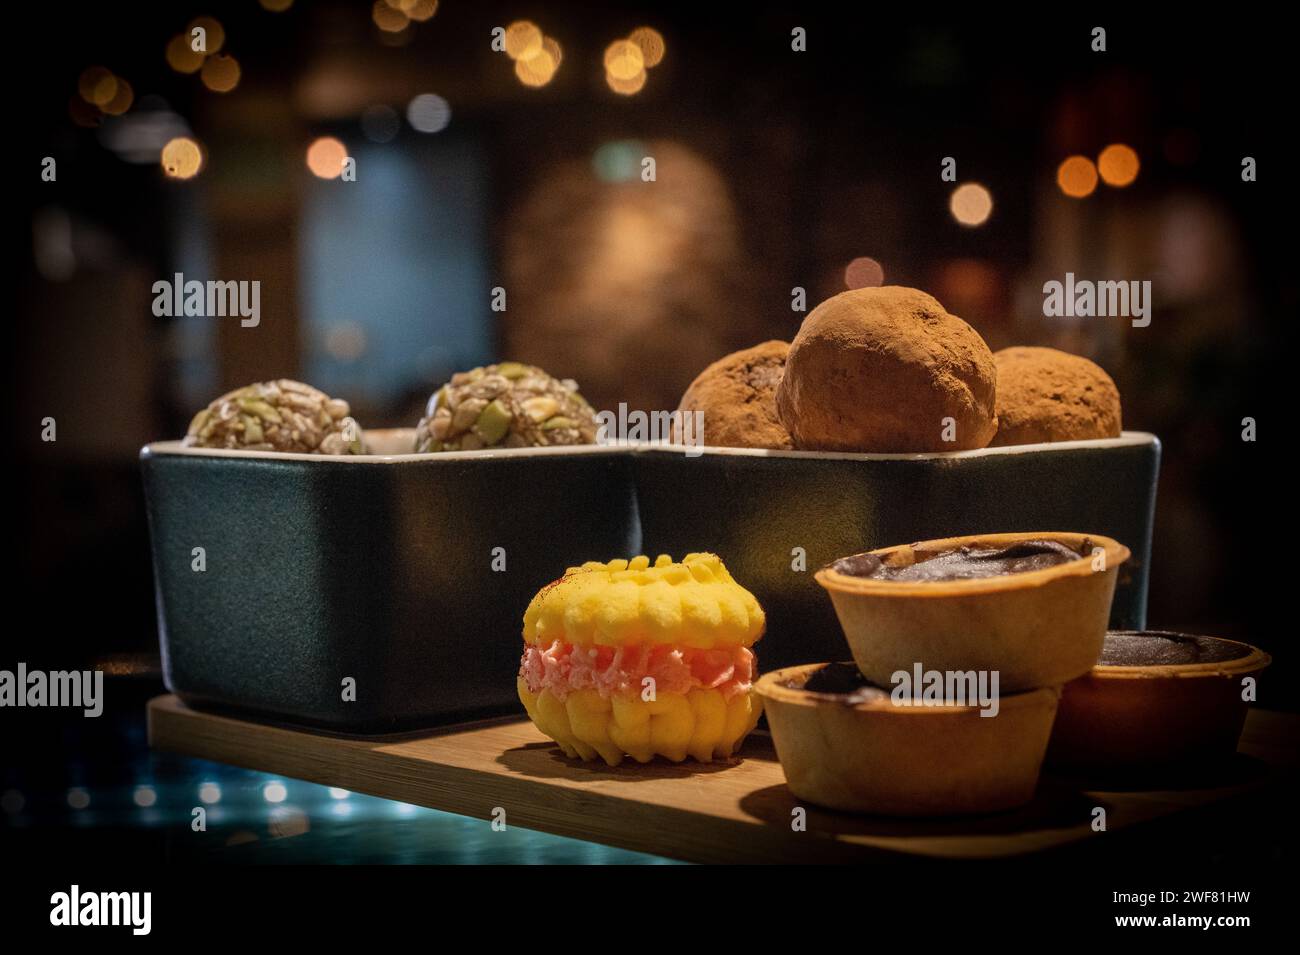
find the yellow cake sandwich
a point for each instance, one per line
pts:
(630, 658)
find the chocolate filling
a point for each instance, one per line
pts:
(966, 563)
(842, 681)
(1133, 648)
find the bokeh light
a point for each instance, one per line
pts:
(864, 272)
(97, 85)
(78, 798)
(284, 822)
(389, 18)
(1118, 165)
(537, 70)
(275, 792)
(626, 87)
(214, 34)
(209, 793)
(611, 240)
(651, 43)
(182, 158)
(1077, 177)
(276, 6)
(429, 113)
(325, 157)
(552, 46)
(121, 100)
(623, 60)
(419, 10)
(971, 204)
(220, 73)
(181, 57)
(523, 40)
(144, 796)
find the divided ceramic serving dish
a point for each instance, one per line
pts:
(383, 569)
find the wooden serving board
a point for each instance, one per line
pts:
(739, 811)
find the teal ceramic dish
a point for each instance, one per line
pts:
(406, 574)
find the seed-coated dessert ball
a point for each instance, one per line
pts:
(281, 415)
(508, 405)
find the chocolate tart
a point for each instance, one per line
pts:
(1037, 627)
(1155, 699)
(861, 752)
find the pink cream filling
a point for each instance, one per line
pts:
(564, 668)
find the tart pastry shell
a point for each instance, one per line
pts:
(1136, 717)
(1038, 628)
(887, 759)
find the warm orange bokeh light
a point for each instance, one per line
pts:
(182, 158)
(623, 60)
(1118, 165)
(181, 56)
(626, 87)
(325, 157)
(1077, 177)
(214, 34)
(864, 272)
(552, 46)
(276, 6)
(523, 40)
(419, 10)
(536, 70)
(388, 18)
(651, 44)
(220, 73)
(121, 100)
(971, 204)
(97, 85)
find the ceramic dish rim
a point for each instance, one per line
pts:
(175, 447)
(1125, 439)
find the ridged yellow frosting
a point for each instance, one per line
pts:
(694, 603)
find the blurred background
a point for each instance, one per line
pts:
(521, 168)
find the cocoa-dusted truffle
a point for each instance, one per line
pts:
(737, 395)
(881, 369)
(1050, 395)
